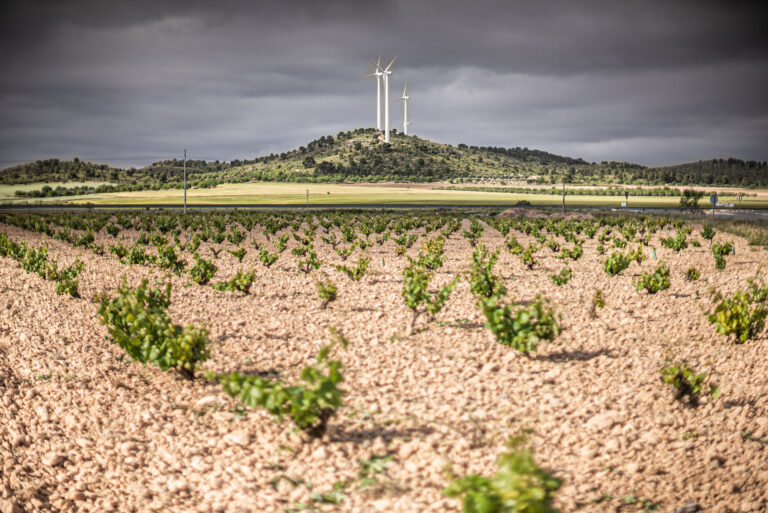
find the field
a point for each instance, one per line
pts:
(274, 193)
(426, 397)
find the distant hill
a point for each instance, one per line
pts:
(361, 156)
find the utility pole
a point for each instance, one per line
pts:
(563, 196)
(185, 180)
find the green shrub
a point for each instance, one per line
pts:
(687, 383)
(326, 290)
(416, 280)
(743, 314)
(112, 229)
(85, 240)
(527, 256)
(168, 259)
(203, 270)
(36, 260)
(518, 486)
(311, 261)
(309, 404)
(618, 242)
(598, 301)
(708, 232)
(616, 263)
(431, 257)
(119, 250)
(67, 287)
(482, 282)
(561, 278)
(356, 273)
(637, 255)
(654, 282)
(574, 253)
(267, 258)
(344, 252)
(474, 233)
(552, 244)
(8, 247)
(236, 237)
(331, 240)
(719, 250)
(137, 255)
(66, 279)
(137, 320)
(513, 245)
(282, 243)
(240, 281)
(524, 328)
(676, 243)
(404, 242)
(692, 274)
(238, 253)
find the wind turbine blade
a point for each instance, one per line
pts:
(390, 63)
(405, 87)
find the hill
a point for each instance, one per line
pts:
(361, 156)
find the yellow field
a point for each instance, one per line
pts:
(371, 194)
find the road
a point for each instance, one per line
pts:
(729, 213)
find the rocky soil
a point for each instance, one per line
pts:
(85, 429)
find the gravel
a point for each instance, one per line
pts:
(85, 429)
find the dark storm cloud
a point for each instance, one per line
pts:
(665, 82)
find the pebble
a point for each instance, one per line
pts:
(177, 485)
(321, 453)
(603, 421)
(51, 459)
(205, 401)
(42, 412)
(239, 437)
(9, 506)
(688, 507)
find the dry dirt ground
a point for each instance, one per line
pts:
(84, 429)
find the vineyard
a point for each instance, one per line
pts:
(363, 361)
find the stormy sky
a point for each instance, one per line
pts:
(641, 81)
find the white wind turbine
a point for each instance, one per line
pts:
(386, 73)
(378, 74)
(405, 99)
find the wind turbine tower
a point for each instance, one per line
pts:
(405, 99)
(378, 74)
(386, 73)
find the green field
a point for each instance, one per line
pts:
(292, 193)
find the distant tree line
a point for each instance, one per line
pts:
(360, 156)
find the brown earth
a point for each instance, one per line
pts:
(84, 429)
